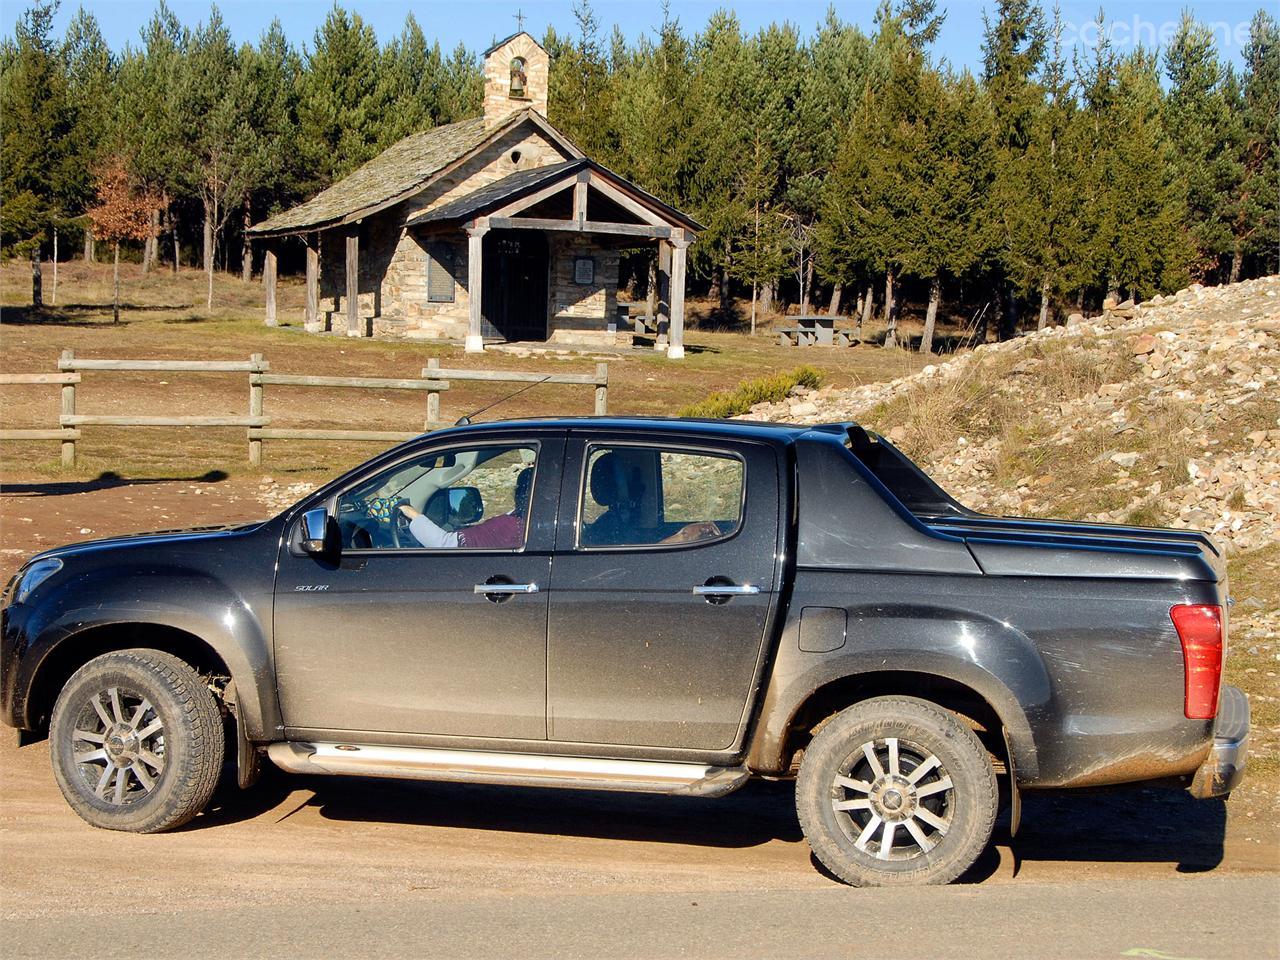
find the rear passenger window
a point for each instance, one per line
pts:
(648, 496)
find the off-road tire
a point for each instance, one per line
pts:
(192, 744)
(972, 802)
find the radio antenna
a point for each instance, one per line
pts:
(463, 421)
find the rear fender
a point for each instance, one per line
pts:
(992, 659)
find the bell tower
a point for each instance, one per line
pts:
(515, 78)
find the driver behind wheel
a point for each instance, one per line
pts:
(504, 532)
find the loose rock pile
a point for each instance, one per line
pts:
(1214, 352)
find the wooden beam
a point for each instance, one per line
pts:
(597, 379)
(475, 285)
(37, 433)
(311, 318)
(679, 261)
(580, 197)
(353, 283)
(585, 226)
(111, 420)
(10, 379)
(269, 281)
(662, 325)
(167, 366)
(380, 383)
(533, 199)
(383, 436)
(623, 200)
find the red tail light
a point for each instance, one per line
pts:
(1199, 627)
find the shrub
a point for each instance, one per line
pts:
(770, 389)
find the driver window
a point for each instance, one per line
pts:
(475, 498)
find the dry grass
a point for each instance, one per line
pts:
(164, 317)
(1253, 663)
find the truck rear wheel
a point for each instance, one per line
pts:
(896, 791)
(137, 741)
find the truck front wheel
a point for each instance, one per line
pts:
(137, 741)
(896, 791)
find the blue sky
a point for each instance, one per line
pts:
(477, 22)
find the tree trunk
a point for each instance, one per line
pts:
(115, 276)
(890, 311)
(833, 305)
(1080, 302)
(766, 297)
(1043, 320)
(151, 249)
(1009, 319)
(90, 246)
(37, 281)
(53, 299)
(651, 298)
(173, 233)
(1237, 261)
(857, 307)
(931, 315)
(208, 251)
(806, 287)
(722, 276)
(868, 304)
(246, 252)
(754, 287)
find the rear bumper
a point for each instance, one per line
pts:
(1224, 768)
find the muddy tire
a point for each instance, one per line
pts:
(896, 791)
(137, 742)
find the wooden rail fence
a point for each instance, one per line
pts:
(435, 381)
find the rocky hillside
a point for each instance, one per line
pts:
(1164, 413)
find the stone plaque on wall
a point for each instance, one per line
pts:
(584, 271)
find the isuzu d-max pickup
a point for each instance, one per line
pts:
(673, 606)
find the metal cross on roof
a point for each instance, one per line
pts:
(519, 15)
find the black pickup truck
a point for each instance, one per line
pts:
(672, 606)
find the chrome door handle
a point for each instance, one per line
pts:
(506, 588)
(725, 590)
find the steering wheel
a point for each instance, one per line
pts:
(399, 527)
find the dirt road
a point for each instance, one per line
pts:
(363, 868)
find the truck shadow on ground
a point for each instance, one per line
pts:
(107, 480)
(1131, 825)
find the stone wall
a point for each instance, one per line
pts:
(578, 311)
(498, 102)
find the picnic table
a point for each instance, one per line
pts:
(815, 330)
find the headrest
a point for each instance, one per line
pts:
(615, 482)
(524, 486)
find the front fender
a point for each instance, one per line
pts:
(994, 660)
(234, 625)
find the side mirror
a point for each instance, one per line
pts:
(315, 531)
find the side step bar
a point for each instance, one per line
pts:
(513, 769)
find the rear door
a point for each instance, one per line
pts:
(664, 577)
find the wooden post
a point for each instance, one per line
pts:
(53, 297)
(602, 389)
(269, 280)
(580, 199)
(433, 396)
(475, 281)
(311, 320)
(678, 263)
(255, 393)
(353, 282)
(663, 324)
(68, 410)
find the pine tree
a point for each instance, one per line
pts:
(90, 69)
(1256, 206)
(411, 82)
(758, 252)
(1013, 50)
(341, 104)
(580, 90)
(462, 87)
(1200, 123)
(37, 180)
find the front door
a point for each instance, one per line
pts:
(433, 621)
(662, 591)
(514, 289)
